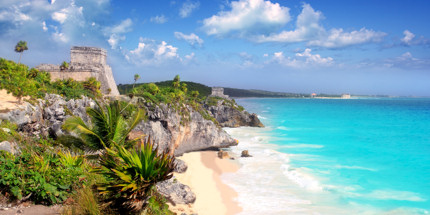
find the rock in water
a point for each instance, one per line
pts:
(222, 154)
(245, 154)
(176, 192)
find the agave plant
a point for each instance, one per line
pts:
(108, 126)
(131, 175)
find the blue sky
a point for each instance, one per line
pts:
(358, 47)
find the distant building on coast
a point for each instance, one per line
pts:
(85, 62)
(218, 92)
(345, 96)
(313, 95)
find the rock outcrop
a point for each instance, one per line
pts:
(176, 192)
(232, 116)
(166, 126)
(170, 130)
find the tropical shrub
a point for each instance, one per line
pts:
(39, 175)
(108, 126)
(131, 175)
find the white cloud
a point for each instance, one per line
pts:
(60, 37)
(60, 16)
(116, 32)
(149, 52)
(302, 59)
(337, 38)
(187, 8)
(247, 16)
(14, 14)
(123, 27)
(409, 36)
(308, 29)
(407, 61)
(192, 39)
(159, 19)
(44, 26)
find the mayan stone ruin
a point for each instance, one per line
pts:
(218, 92)
(85, 62)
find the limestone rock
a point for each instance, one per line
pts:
(181, 166)
(176, 192)
(223, 154)
(10, 147)
(245, 153)
(231, 116)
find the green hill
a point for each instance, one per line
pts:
(205, 90)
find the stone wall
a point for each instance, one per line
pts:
(87, 55)
(85, 62)
(219, 92)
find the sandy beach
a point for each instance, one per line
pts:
(204, 178)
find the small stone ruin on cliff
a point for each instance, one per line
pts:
(218, 92)
(85, 62)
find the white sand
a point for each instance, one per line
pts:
(203, 177)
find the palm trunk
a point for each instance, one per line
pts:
(20, 55)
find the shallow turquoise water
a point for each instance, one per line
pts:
(356, 156)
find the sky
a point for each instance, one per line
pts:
(331, 46)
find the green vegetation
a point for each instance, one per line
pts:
(64, 65)
(203, 90)
(108, 126)
(20, 47)
(177, 95)
(119, 181)
(39, 174)
(132, 175)
(21, 81)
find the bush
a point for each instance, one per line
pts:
(131, 175)
(40, 175)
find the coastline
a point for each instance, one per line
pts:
(203, 176)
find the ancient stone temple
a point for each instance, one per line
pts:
(218, 92)
(85, 62)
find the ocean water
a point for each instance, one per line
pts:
(333, 156)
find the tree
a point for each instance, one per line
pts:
(108, 126)
(20, 47)
(64, 65)
(176, 81)
(136, 77)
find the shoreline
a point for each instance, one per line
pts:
(203, 176)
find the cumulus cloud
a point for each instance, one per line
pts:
(187, 8)
(44, 28)
(302, 59)
(410, 39)
(14, 14)
(407, 61)
(159, 19)
(247, 16)
(150, 52)
(337, 38)
(192, 39)
(409, 36)
(116, 32)
(308, 29)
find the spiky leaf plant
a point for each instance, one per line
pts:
(131, 175)
(107, 126)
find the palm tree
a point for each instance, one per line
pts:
(108, 126)
(136, 77)
(20, 47)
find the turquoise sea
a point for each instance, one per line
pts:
(334, 156)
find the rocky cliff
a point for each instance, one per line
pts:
(229, 114)
(165, 125)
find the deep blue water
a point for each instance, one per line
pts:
(370, 156)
